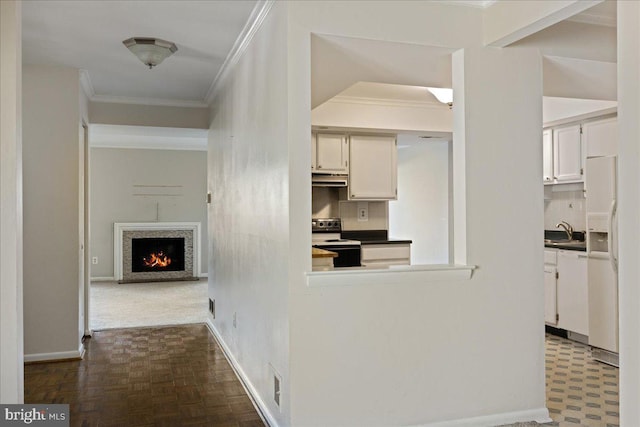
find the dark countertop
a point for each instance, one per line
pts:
(572, 247)
(386, 242)
(578, 243)
(373, 237)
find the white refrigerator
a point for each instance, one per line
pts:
(602, 263)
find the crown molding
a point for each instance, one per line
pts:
(259, 13)
(386, 102)
(479, 4)
(148, 101)
(147, 137)
(87, 87)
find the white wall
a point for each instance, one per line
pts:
(249, 214)
(410, 354)
(421, 212)
(508, 21)
(11, 290)
(628, 208)
(52, 214)
(574, 40)
(114, 197)
(149, 115)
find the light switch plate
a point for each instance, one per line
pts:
(363, 211)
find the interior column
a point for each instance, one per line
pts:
(498, 191)
(11, 323)
(628, 208)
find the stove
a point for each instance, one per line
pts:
(325, 234)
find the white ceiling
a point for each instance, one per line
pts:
(339, 62)
(88, 35)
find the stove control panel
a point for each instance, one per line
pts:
(326, 224)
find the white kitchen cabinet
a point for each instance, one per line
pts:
(600, 137)
(385, 254)
(550, 287)
(568, 164)
(373, 170)
(314, 150)
(547, 156)
(550, 295)
(330, 153)
(572, 292)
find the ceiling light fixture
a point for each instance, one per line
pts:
(150, 51)
(443, 94)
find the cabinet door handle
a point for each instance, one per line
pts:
(319, 167)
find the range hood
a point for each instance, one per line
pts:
(319, 180)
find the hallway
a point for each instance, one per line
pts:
(159, 376)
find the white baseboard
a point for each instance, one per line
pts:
(103, 279)
(246, 383)
(61, 355)
(203, 275)
(540, 415)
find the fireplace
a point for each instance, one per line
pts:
(150, 252)
(157, 254)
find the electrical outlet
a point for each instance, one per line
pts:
(235, 318)
(363, 211)
(94, 260)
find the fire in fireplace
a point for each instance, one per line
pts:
(157, 254)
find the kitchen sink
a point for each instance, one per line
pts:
(564, 242)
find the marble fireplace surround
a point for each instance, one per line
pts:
(124, 232)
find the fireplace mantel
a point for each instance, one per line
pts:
(119, 228)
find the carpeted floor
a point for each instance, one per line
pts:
(115, 305)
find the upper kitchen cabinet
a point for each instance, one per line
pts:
(568, 165)
(330, 153)
(547, 156)
(373, 173)
(600, 137)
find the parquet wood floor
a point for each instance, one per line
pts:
(160, 376)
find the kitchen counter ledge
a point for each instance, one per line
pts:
(391, 275)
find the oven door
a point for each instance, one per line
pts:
(348, 255)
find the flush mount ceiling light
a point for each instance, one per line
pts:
(443, 94)
(150, 51)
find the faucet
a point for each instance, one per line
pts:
(567, 229)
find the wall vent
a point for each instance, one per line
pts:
(276, 390)
(277, 386)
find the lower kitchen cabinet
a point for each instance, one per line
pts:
(567, 282)
(550, 295)
(385, 254)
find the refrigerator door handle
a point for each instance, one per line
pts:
(613, 257)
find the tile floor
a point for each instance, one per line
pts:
(158, 376)
(580, 391)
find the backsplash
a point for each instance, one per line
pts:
(567, 206)
(330, 202)
(378, 216)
